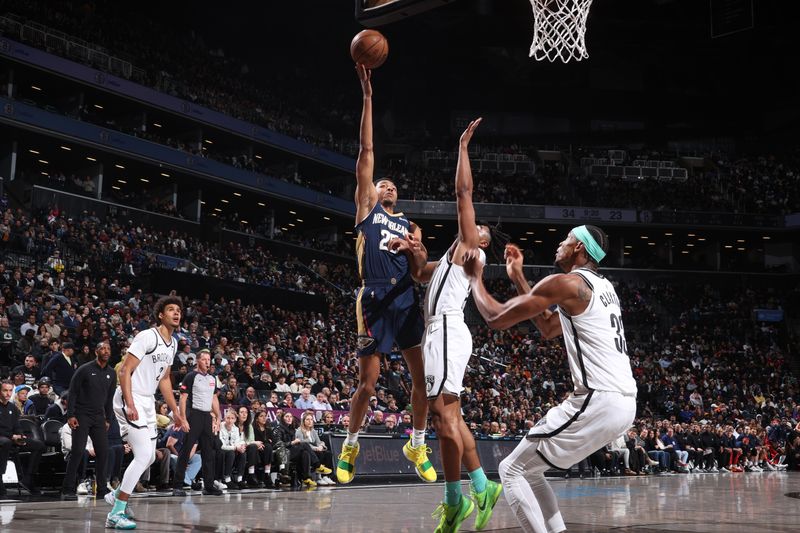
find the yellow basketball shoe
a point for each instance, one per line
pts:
(346, 466)
(419, 456)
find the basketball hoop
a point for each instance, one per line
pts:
(559, 27)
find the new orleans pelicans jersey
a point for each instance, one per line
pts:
(155, 360)
(375, 260)
(595, 341)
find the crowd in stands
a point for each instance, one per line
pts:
(752, 184)
(766, 184)
(183, 65)
(702, 363)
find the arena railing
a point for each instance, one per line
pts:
(44, 197)
(67, 45)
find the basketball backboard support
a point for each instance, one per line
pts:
(731, 16)
(373, 13)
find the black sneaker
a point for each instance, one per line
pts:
(178, 492)
(213, 491)
(233, 485)
(253, 483)
(69, 496)
(196, 485)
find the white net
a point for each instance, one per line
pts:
(559, 28)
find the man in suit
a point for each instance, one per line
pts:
(61, 368)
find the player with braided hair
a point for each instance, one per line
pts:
(447, 347)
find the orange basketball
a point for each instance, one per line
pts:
(369, 47)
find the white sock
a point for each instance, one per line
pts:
(418, 437)
(352, 438)
(251, 469)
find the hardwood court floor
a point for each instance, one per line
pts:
(731, 503)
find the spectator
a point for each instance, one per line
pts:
(305, 401)
(249, 397)
(12, 440)
(308, 435)
(263, 440)
(391, 424)
(30, 325)
(8, 340)
(321, 403)
(29, 369)
(174, 441)
(233, 451)
(245, 425)
(20, 396)
(60, 369)
(26, 344)
(376, 425)
(299, 452)
(40, 401)
(58, 410)
(281, 386)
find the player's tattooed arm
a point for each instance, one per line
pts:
(584, 294)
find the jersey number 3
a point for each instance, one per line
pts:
(619, 340)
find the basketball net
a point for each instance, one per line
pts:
(559, 27)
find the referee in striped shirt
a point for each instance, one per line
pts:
(198, 398)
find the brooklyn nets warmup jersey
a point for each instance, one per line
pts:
(155, 358)
(595, 341)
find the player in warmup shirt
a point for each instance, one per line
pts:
(602, 405)
(447, 347)
(145, 369)
(387, 308)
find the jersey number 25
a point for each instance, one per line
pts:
(386, 236)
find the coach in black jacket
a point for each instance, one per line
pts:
(89, 413)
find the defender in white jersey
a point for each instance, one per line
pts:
(146, 367)
(447, 347)
(602, 405)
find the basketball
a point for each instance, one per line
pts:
(369, 47)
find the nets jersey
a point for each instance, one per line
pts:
(375, 260)
(595, 341)
(449, 287)
(155, 360)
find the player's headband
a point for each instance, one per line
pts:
(582, 234)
